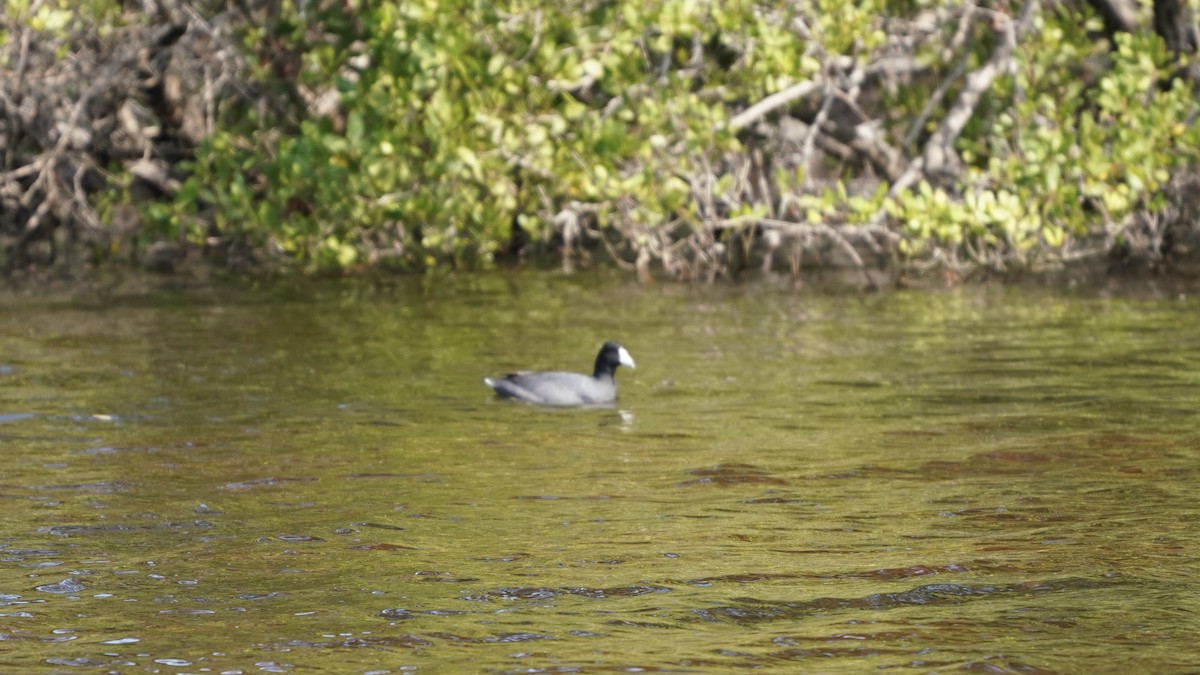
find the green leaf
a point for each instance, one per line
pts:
(354, 128)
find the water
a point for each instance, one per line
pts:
(315, 479)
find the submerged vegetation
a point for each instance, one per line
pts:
(691, 138)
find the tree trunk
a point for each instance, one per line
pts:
(1173, 22)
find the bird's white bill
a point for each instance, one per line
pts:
(625, 359)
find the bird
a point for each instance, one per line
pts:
(560, 388)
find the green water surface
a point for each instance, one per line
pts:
(316, 480)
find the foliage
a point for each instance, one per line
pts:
(459, 121)
(425, 133)
(1064, 160)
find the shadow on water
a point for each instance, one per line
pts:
(990, 479)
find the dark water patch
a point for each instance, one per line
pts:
(43, 564)
(1034, 517)
(668, 436)
(107, 487)
(813, 551)
(1003, 664)
(1107, 440)
(841, 475)
(420, 477)
(299, 538)
(993, 566)
(273, 595)
(548, 593)
(1090, 452)
(387, 423)
(82, 530)
(368, 642)
(524, 593)
(257, 483)
(97, 450)
(1027, 424)
(617, 591)
(993, 464)
(442, 577)
(858, 636)
(500, 638)
(857, 653)
(382, 546)
(1014, 547)
(732, 474)
(750, 611)
(562, 497)
(76, 662)
(7, 599)
(631, 623)
(777, 500)
(852, 384)
(380, 526)
(872, 471)
(44, 438)
(1019, 457)
(501, 559)
(637, 666)
(22, 554)
(18, 637)
(741, 579)
(1013, 397)
(66, 586)
(899, 573)
(401, 614)
(915, 433)
(76, 530)
(1005, 370)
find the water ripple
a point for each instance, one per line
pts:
(755, 611)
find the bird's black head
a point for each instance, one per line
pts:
(611, 355)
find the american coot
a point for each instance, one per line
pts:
(562, 388)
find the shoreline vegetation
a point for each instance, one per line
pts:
(687, 139)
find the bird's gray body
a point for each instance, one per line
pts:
(560, 388)
(555, 388)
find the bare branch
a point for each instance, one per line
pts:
(939, 147)
(774, 101)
